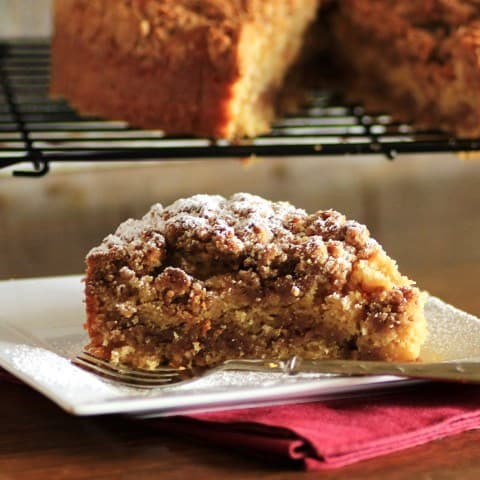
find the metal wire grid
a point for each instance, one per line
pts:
(39, 130)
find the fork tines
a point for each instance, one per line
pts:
(140, 378)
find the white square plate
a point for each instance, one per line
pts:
(41, 330)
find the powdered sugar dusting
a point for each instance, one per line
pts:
(243, 219)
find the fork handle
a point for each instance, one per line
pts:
(458, 371)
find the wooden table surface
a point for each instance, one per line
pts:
(39, 441)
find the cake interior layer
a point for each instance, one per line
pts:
(266, 52)
(151, 332)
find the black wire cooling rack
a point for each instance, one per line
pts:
(39, 130)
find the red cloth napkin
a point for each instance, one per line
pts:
(326, 435)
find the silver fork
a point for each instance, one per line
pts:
(467, 371)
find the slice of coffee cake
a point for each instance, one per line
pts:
(207, 279)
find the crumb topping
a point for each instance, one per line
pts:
(209, 232)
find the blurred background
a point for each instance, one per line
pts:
(424, 209)
(25, 18)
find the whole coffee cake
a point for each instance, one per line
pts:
(211, 278)
(215, 67)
